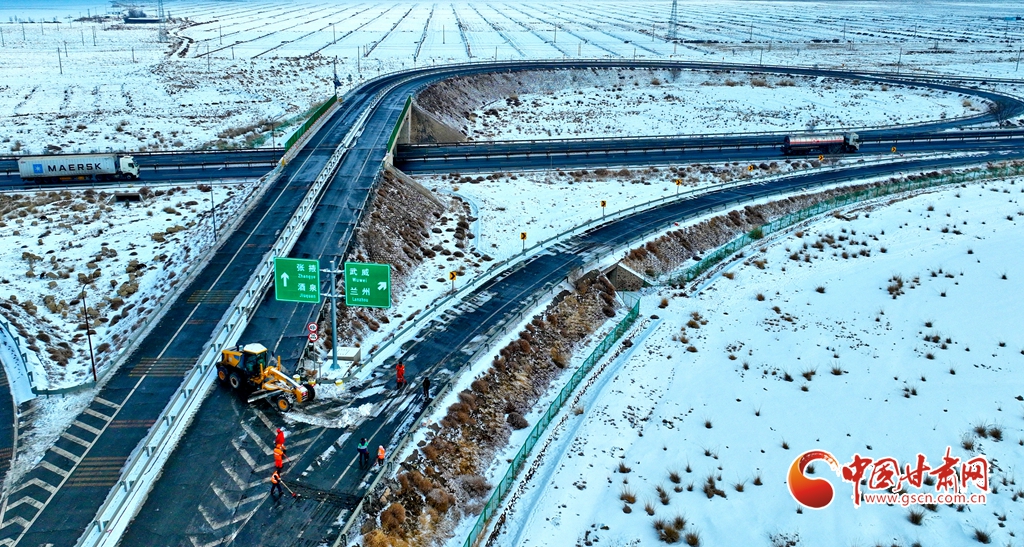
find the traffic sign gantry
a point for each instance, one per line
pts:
(297, 280)
(368, 285)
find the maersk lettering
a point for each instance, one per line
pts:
(74, 167)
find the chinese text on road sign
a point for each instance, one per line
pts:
(367, 285)
(297, 280)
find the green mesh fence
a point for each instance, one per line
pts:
(538, 429)
(309, 122)
(398, 125)
(915, 183)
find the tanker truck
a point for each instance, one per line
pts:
(821, 144)
(101, 167)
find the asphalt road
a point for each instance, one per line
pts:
(55, 502)
(576, 159)
(59, 497)
(219, 495)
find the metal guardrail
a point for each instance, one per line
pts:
(503, 487)
(391, 463)
(691, 273)
(141, 330)
(920, 182)
(147, 459)
(498, 267)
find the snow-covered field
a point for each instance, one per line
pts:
(125, 255)
(779, 367)
(233, 70)
(630, 103)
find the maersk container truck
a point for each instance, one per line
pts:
(80, 167)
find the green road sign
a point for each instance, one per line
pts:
(368, 285)
(297, 280)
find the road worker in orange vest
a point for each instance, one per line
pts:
(279, 457)
(380, 455)
(275, 484)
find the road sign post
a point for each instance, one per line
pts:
(452, 275)
(368, 285)
(679, 182)
(522, 236)
(297, 280)
(604, 203)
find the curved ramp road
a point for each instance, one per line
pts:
(215, 493)
(57, 499)
(212, 489)
(661, 155)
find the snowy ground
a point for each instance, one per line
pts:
(233, 70)
(54, 241)
(863, 380)
(633, 103)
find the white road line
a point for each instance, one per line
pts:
(74, 439)
(53, 489)
(87, 427)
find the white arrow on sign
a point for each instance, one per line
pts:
(284, 279)
(382, 286)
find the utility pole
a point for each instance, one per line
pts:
(335, 31)
(359, 66)
(899, 61)
(82, 32)
(133, 54)
(220, 30)
(93, 36)
(2, 43)
(1018, 60)
(213, 214)
(88, 334)
(65, 49)
(232, 53)
(751, 37)
(23, 32)
(844, 32)
(334, 315)
(556, 34)
(60, 65)
(442, 34)
(207, 58)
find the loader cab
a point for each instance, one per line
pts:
(253, 359)
(241, 364)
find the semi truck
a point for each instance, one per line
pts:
(821, 144)
(102, 167)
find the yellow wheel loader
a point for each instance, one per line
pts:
(246, 369)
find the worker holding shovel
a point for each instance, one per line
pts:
(275, 484)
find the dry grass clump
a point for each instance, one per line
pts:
(672, 250)
(446, 472)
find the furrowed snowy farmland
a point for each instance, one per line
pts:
(767, 399)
